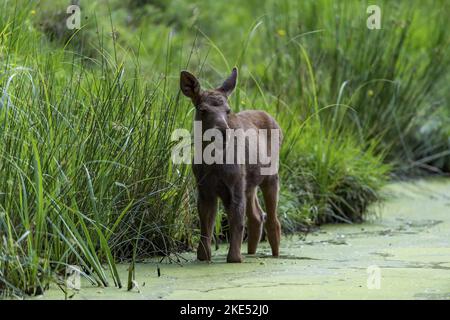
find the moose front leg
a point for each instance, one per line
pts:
(207, 208)
(235, 212)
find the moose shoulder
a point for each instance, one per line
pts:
(235, 183)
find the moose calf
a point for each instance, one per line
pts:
(235, 184)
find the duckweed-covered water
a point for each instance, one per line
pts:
(404, 253)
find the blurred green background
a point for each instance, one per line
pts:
(86, 117)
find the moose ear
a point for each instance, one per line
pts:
(228, 86)
(189, 85)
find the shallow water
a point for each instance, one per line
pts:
(409, 242)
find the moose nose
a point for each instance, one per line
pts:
(222, 125)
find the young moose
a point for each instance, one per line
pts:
(235, 184)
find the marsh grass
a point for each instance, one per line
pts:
(84, 165)
(86, 117)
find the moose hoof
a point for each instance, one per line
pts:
(234, 258)
(203, 256)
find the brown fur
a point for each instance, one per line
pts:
(236, 185)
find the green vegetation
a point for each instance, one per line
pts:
(86, 118)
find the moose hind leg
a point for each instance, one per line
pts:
(272, 225)
(254, 221)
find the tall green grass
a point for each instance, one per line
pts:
(385, 84)
(86, 117)
(85, 160)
